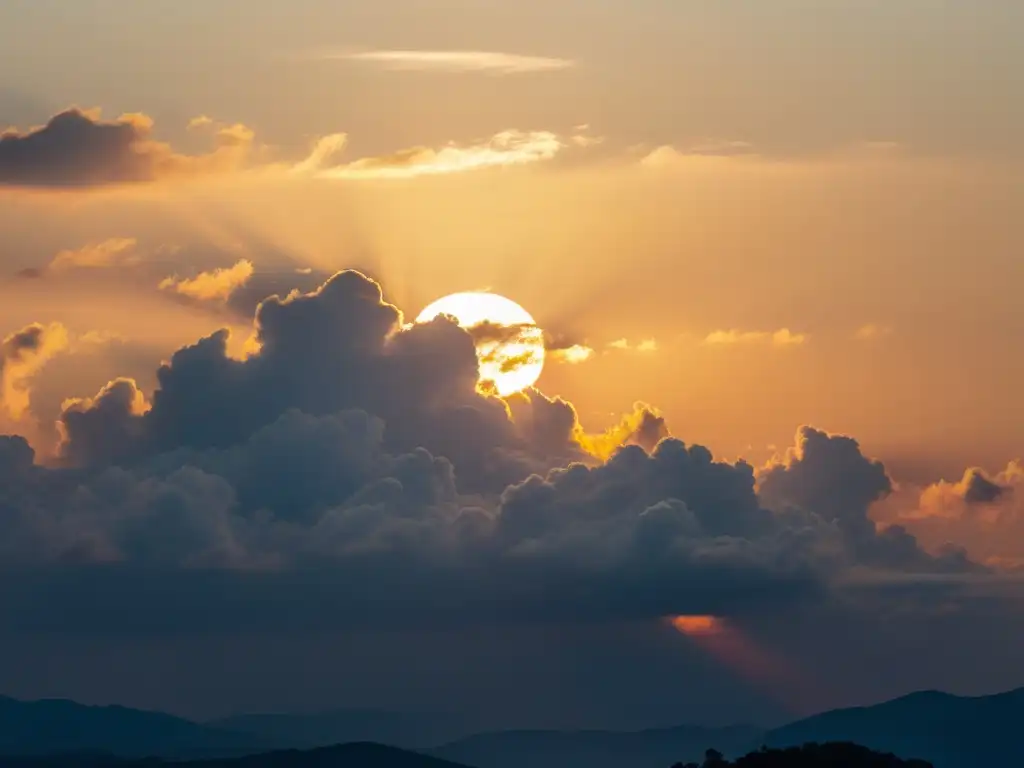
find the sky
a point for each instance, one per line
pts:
(776, 253)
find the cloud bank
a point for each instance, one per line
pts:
(355, 452)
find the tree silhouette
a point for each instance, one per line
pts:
(831, 755)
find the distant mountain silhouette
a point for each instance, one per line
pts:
(56, 725)
(359, 755)
(949, 731)
(407, 730)
(656, 748)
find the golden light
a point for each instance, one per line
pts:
(697, 625)
(509, 345)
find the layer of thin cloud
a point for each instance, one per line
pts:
(113, 252)
(646, 346)
(215, 285)
(508, 148)
(872, 332)
(491, 62)
(783, 337)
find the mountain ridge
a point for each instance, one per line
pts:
(949, 730)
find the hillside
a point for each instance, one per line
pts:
(950, 731)
(360, 755)
(656, 748)
(57, 725)
(399, 729)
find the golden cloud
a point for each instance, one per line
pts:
(577, 353)
(216, 285)
(783, 337)
(22, 355)
(458, 61)
(114, 252)
(507, 148)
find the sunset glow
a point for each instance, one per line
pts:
(524, 364)
(509, 345)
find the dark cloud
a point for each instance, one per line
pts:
(350, 473)
(980, 490)
(78, 149)
(828, 475)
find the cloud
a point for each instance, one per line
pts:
(113, 252)
(352, 448)
(216, 285)
(644, 345)
(458, 61)
(77, 149)
(871, 332)
(780, 338)
(22, 356)
(508, 148)
(982, 511)
(577, 353)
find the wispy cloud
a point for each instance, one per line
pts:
(507, 148)
(106, 254)
(457, 61)
(871, 331)
(117, 251)
(644, 345)
(780, 338)
(217, 285)
(577, 353)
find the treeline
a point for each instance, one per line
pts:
(832, 755)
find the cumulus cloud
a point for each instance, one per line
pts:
(507, 148)
(983, 511)
(780, 338)
(352, 448)
(458, 61)
(829, 475)
(22, 356)
(215, 285)
(77, 148)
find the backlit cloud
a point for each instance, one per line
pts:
(77, 148)
(507, 148)
(22, 355)
(458, 61)
(398, 465)
(114, 252)
(577, 353)
(216, 285)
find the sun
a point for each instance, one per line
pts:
(509, 345)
